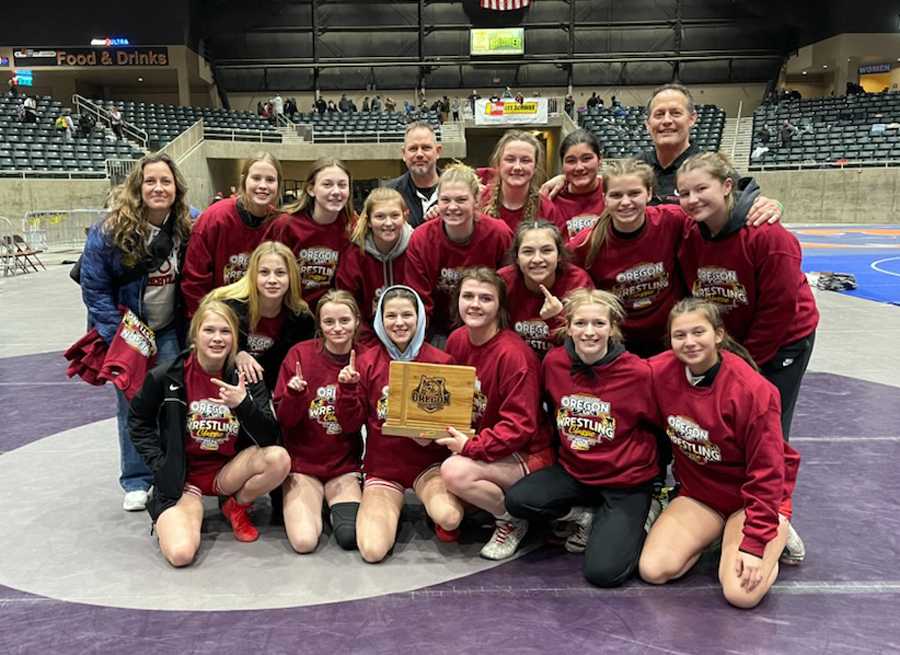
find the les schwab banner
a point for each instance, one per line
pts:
(104, 58)
(532, 111)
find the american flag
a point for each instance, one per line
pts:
(503, 5)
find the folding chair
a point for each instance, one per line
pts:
(23, 255)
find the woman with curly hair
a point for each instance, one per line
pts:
(133, 260)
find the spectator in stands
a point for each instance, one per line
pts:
(13, 85)
(569, 106)
(454, 108)
(615, 102)
(332, 107)
(618, 112)
(472, 99)
(365, 106)
(408, 107)
(593, 101)
(259, 109)
(61, 125)
(788, 131)
(390, 104)
(116, 122)
(353, 107)
(292, 109)
(132, 260)
(278, 105)
(29, 110)
(86, 124)
(66, 124)
(376, 104)
(418, 185)
(444, 108)
(764, 134)
(344, 104)
(520, 98)
(495, 97)
(320, 105)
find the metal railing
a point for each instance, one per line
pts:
(182, 144)
(832, 165)
(85, 105)
(118, 169)
(376, 136)
(59, 228)
(737, 130)
(238, 134)
(27, 174)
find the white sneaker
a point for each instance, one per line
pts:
(506, 538)
(135, 501)
(577, 541)
(794, 549)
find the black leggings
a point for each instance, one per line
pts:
(617, 533)
(788, 378)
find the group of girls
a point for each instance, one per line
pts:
(566, 406)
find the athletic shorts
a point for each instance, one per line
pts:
(399, 485)
(204, 481)
(531, 462)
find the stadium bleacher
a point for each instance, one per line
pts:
(41, 148)
(860, 130)
(627, 136)
(165, 122)
(336, 127)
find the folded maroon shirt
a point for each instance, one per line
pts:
(86, 358)
(132, 353)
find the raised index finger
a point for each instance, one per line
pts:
(353, 360)
(221, 383)
(547, 294)
(299, 371)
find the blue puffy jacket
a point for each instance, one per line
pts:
(102, 290)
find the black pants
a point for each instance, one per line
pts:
(787, 377)
(617, 533)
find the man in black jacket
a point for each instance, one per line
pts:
(418, 185)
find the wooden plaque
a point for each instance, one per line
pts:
(426, 398)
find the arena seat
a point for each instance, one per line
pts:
(856, 130)
(165, 122)
(41, 147)
(363, 127)
(626, 136)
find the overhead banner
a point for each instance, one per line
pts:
(531, 111)
(102, 58)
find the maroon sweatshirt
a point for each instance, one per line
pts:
(218, 251)
(573, 212)
(754, 274)
(604, 418)
(435, 263)
(512, 217)
(318, 444)
(525, 305)
(396, 459)
(642, 272)
(507, 416)
(317, 248)
(727, 444)
(365, 277)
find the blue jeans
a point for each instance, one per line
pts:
(135, 476)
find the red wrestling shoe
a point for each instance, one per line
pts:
(236, 514)
(447, 536)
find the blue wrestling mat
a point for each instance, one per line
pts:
(869, 252)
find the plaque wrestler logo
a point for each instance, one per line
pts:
(431, 395)
(381, 407)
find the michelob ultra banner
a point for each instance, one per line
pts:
(531, 111)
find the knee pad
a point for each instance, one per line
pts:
(343, 524)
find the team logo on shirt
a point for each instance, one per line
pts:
(585, 421)
(321, 409)
(138, 335)
(577, 223)
(479, 403)
(257, 344)
(431, 395)
(719, 285)
(381, 407)
(236, 267)
(449, 279)
(317, 266)
(638, 286)
(692, 440)
(536, 333)
(164, 275)
(211, 424)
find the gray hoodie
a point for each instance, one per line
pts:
(387, 259)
